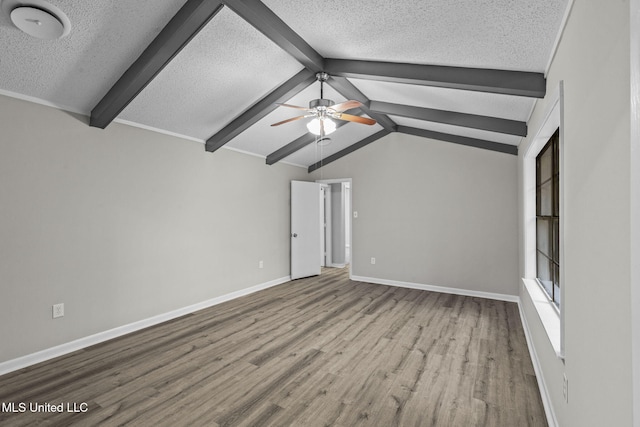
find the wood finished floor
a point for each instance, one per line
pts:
(322, 351)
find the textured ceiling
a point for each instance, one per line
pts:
(195, 90)
(503, 34)
(229, 66)
(471, 102)
(77, 70)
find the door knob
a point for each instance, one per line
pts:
(294, 235)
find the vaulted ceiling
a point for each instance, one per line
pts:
(463, 71)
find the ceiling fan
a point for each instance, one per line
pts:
(323, 110)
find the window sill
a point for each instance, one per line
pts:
(547, 312)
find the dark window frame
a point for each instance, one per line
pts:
(548, 219)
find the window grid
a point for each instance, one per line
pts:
(548, 218)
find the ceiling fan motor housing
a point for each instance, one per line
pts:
(315, 103)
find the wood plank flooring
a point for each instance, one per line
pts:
(322, 351)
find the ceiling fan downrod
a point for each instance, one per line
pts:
(321, 104)
(322, 77)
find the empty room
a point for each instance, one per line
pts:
(302, 213)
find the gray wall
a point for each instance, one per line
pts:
(123, 224)
(433, 213)
(593, 61)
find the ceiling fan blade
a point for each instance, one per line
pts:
(356, 119)
(293, 106)
(289, 120)
(346, 105)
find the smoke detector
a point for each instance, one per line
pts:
(38, 18)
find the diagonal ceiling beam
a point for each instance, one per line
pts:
(349, 91)
(258, 15)
(350, 149)
(189, 20)
(264, 20)
(269, 24)
(472, 142)
(462, 140)
(260, 109)
(494, 124)
(506, 82)
(297, 144)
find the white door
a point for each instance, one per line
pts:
(306, 251)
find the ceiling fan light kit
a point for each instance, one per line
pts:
(321, 126)
(323, 110)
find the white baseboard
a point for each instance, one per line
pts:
(441, 289)
(542, 385)
(62, 349)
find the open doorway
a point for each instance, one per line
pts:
(320, 226)
(337, 222)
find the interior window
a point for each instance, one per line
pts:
(548, 218)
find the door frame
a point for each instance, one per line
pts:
(325, 226)
(349, 217)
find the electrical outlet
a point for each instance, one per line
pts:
(58, 310)
(565, 387)
(373, 260)
(261, 264)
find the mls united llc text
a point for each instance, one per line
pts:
(21, 407)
